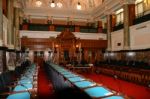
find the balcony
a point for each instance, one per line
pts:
(119, 26)
(141, 18)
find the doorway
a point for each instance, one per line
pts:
(66, 55)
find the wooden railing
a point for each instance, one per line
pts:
(138, 76)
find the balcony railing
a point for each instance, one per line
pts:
(38, 27)
(88, 30)
(46, 27)
(141, 18)
(118, 26)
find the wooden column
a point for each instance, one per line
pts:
(25, 26)
(4, 6)
(1, 24)
(126, 27)
(77, 29)
(109, 29)
(51, 28)
(10, 33)
(99, 26)
(129, 16)
(2, 59)
(17, 38)
(131, 13)
(113, 21)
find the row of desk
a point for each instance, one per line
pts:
(63, 78)
(26, 85)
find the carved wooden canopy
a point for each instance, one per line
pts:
(66, 35)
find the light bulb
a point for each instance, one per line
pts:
(38, 3)
(79, 6)
(59, 4)
(52, 4)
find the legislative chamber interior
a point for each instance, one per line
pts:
(74, 49)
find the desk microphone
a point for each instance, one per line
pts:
(25, 88)
(118, 84)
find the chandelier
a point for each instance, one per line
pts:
(56, 3)
(38, 3)
(79, 6)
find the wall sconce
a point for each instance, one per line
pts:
(55, 48)
(77, 48)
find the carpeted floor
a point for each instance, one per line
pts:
(45, 89)
(130, 89)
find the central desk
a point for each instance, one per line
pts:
(64, 79)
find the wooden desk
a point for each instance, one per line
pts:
(81, 68)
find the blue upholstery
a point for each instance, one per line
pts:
(23, 95)
(75, 79)
(97, 92)
(114, 97)
(84, 84)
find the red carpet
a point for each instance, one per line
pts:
(45, 89)
(130, 89)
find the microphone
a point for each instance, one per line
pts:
(30, 91)
(118, 84)
(27, 89)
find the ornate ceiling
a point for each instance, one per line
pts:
(66, 4)
(68, 9)
(90, 9)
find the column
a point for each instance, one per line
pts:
(77, 29)
(128, 21)
(109, 33)
(99, 26)
(126, 28)
(10, 21)
(113, 21)
(17, 38)
(51, 27)
(1, 24)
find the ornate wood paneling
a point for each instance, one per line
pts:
(131, 14)
(67, 47)
(36, 43)
(93, 43)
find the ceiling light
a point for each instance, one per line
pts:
(79, 6)
(38, 3)
(52, 4)
(59, 4)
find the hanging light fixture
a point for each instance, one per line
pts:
(59, 4)
(38, 3)
(79, 6)
(52, 4)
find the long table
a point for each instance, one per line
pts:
(64, 79)
(81, 68)
(25, 85)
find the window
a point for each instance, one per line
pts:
(119, 16)
(146, 5)
(139, 8)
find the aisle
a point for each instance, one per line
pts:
(45, 89)
(133, 90)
